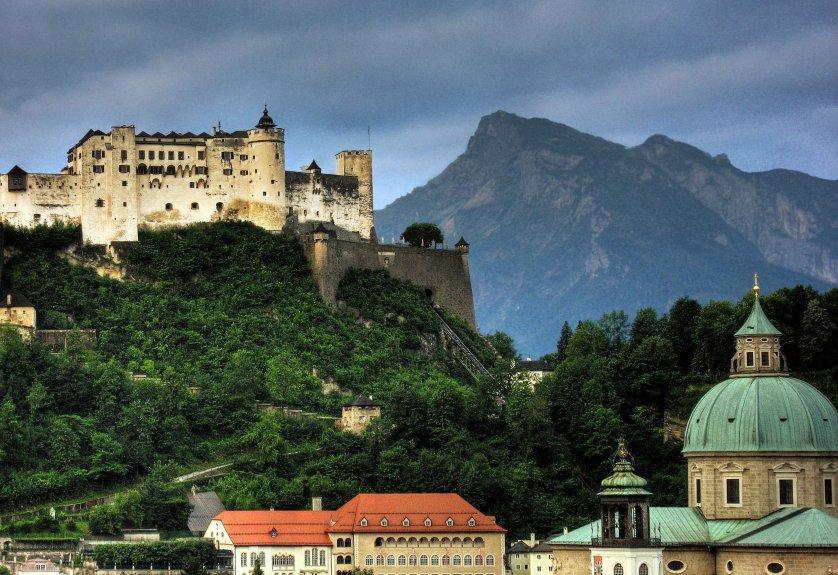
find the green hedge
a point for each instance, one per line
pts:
(163, 553)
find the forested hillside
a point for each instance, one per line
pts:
(221, 316)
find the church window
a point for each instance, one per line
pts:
(749, 359)
(785, 492)
(698, 490)
(733, 487)
(100, 203)
(180, 155)
(643, 570)
(729, 567)
(675, 566)
(764, 359)
(775, 567)
(828, 493)
(618, 569)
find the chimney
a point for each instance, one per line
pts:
(9, 299)
(532, 539)
(194, 489)
(564, 530)
(317, 504)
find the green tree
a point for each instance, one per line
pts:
(422, 234)
(680, 324)
(645, 324)
(817, 341)
(564, 341)
(257, 568)
(503, 344)
(713, 335)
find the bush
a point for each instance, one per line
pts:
(179, 553)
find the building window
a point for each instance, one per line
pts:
(168, 207)
(467, 560)
(242, 157)
(472, 522)
(406, 522)
(244, 559)
(828, 492)
(151, 154)
(643, 570)
(275, 561)
(391, 560)
(100, 203)
(308, 558)
(368, 560)
(402, 560)
(729, 567)
(446, 560)
(698, 490)
(37, 217)
(733, 488)
(227, 156)
(786, 492)
(618, 569)
(749, 359)
(124, 169)
(775, 567)
(457, 560)
(675, 566)
(423, 560)
(201, 154)
(434, 559)
(171, 155)
(379, 560)
(478, 560)
(411, 560)
(227, 171)
(98, 169)
(180, 155)
(322, 557)
(141, 154)
(490, 560)
(764, 359)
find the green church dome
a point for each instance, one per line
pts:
(762, 413)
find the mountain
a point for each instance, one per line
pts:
(564, 225)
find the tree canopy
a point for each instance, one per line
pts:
(422, 234)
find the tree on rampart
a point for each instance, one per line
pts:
(422, 234)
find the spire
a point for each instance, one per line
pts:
(757, 322)
(265, 121)
(623, 481)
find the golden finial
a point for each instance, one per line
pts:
(756, 284)
(622, 450)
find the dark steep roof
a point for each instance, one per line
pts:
(266, 121)
(362, 401)
(313, 166)
(519, 547)
(17, 171)
(205, 506)
(18, 299)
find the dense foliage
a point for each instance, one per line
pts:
(160, 553)
(422, 234)
(220, 316)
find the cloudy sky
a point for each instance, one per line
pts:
(756, 80)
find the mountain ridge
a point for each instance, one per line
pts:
(566, 225)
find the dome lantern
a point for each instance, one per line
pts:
(624, 504)
(757, 344)
(266, 122)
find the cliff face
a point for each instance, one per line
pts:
(565, 225)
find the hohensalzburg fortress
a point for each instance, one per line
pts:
(116, 182)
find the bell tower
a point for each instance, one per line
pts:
(757, 344)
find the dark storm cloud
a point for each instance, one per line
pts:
(755, 80)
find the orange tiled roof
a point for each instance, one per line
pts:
(416, 508)
(313, 527)
(281, 528)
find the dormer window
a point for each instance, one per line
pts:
(274, 532)
(384, 522)
(428, 522)
(471, 522)
(449, 522)
(405, 522)
(364, 522)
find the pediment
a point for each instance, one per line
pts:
(695, 468)
(786, 467)
(731, 467)
(830, 467)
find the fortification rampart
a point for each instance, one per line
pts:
(443, 273)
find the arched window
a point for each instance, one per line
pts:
(490, 560)
(467, 560)
(218, 207)
(252, 559)
(244, 559)
(379, 541)
(379, 560)
(434, 559)
(339, 560)
(423, 560)
(478, 542)
(618, 569)
(446, 560)
(275, 561)
(478, 560)
(467, 542)
(170, 170)
(368, 560)
(142, 169)
(457, 560)
(347, 542)
(643, 569)
(308, 558)
(262, 558)
(322, 557)
(391, 560)
(411, 560)
(402, 560)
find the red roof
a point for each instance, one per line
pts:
(312, 527)
(281, 528)
(416, 508)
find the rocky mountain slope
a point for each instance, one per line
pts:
(565, 225)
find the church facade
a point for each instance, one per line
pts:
(762, 462)
(117, 181)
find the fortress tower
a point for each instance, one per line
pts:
(358, 163)
(266, 156)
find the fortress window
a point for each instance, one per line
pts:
(219, 206)
(141, 154)
(37, 217)
(171, 155)
(123, 155)
(180, 155)
(168, 207)
(227, 156)
(124, 169)
(228, 171)
(142, 169)
(124, 183)
(276, 156)
(264, 193)
(242, 172)
(191, 184)
(100, 203)
(201, 154)
(170, 170)
(150, 154)
(194, 205)
(98, 169)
